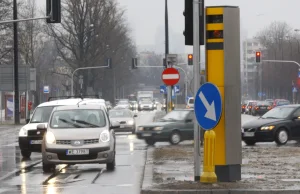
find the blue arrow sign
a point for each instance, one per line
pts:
(295, 90)
(176, 88)
(163, 89)
(208, 106)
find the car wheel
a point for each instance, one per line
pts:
(111, 165)
(25, 154)
(250, 142)
(175, 138)
(281, 137)
(47, 168)
(150, 142)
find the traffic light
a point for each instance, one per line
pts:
(109, 63)
(165, 63)
(258, 56)
(188, 14)
(134, 63)
(190, 59)
(53, 9)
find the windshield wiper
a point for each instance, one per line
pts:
(86, 123)
(73, 124)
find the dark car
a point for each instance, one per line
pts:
(261, 108)
(174, 127)
(279, 124)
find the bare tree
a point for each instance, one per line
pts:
(90, 32)
(6, 32)
(280, 44)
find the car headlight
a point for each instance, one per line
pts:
(105, 136)
(130, 122)
(23, 132)
(141, 128)
(158, 128)
(267, 128)
(50, 138)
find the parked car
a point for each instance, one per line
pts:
(280, 124)
(174, 127)
(78, 134)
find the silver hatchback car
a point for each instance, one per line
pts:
(78, 134)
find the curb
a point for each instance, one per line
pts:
(148, 170)
(214, 191)
(147, 181)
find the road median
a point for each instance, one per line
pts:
(265, 169)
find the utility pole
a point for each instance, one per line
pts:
(169, 92)
(16, 61)
(196, 61)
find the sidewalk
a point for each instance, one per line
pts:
(265, 169)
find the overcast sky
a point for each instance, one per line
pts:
(146, 16)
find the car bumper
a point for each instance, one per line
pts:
(261, 136)
(126, 128)
(26, 145)
(156, 135)
(96, 155)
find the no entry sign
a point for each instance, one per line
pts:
(170, 76)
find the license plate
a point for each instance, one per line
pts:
(122, 126)
(262, 107)
(78, 152)
(36, 141)
(249, 134)
(146, 134)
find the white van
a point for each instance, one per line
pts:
(190, 103)
(30, 138)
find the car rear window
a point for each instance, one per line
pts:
(191, 101)
(280, 103)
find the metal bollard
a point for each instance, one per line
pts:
(209, 175)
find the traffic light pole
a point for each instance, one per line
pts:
(82, 68)
(196, 60)
(169, 92)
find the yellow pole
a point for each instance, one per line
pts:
(209, 175)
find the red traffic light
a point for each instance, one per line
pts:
(190, 56)
(257, 53)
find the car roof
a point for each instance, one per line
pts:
(82, 107)
(62, 102)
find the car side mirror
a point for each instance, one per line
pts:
(41, 127)
(27, 121)
(115, 125)
(135, 115)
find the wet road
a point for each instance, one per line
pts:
(18, 176)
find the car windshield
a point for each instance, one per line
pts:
(278, 113)
(42, 114)
(146, 100)
(175, 116)
(119, 113)
(78, 118)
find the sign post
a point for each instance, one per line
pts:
(170, 77)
